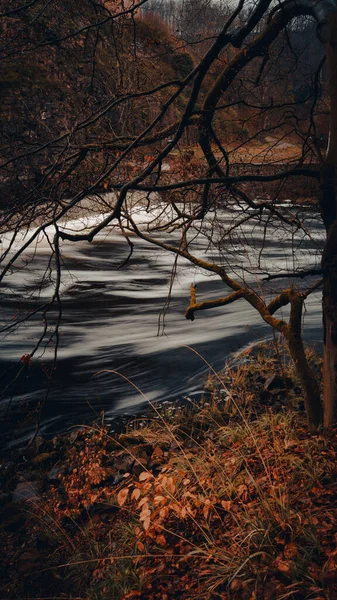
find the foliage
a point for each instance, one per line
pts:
(226, 501)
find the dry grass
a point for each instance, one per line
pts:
(231, 501)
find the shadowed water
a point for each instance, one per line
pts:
(110, 318)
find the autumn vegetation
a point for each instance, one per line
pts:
(111, 111)
(231, 499)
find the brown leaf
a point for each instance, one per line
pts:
(290, 550)
(235, 585)
(142, 501)
(146, 524)
(122, 496)
(144, 476)
(161, 540)
(281, 565)
(145, 514)
(226, 504)
(158, 499)
(157, 452)
(135, 494)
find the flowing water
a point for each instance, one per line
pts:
(110, 317)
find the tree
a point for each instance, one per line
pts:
(258, 133)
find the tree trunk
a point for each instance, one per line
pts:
(309, 383)
(329, 260)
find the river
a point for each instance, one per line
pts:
(110, 321)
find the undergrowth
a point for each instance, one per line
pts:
(233, 500)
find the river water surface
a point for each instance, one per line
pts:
(110, 318)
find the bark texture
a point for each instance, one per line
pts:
(329, 259)
(309, 383)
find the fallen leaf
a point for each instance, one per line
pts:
(145, 514)
(290, 550)
(135, 494)
(161, 540)
(144, 476)
(122, 496)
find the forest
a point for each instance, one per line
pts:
(168, 276)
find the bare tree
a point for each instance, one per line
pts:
(258, 133)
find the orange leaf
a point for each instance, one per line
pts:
(144, 476)
(145, 514)
(226, 504)
(122, 496)
(140, 546)
(26, 359)
(290, 550)
(157, 452)
(282, 566)
(135, 494)
(158, 499)
(161, 540)
(143, 501)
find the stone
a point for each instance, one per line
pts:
(277, 383)
(27, 490)
(55, 473)
(37, 446)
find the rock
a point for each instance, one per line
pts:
(55, 473)
(27, 490)
(75, 436)
(122, 462)
(277, 383)
(130, 440)
(38, 445)
(57, 442)
(117, 478)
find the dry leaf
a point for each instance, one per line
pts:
(226, 504)
(122, 496)
(140, 546)
(235, 585)
(282, 566)
(144, 476)
(161, 540)
(158, 499)
(145, 514)
(135, 494)
(146, 524)
(142, 501)
(157, 452)
(290, 550)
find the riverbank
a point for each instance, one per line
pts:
(234, 499)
